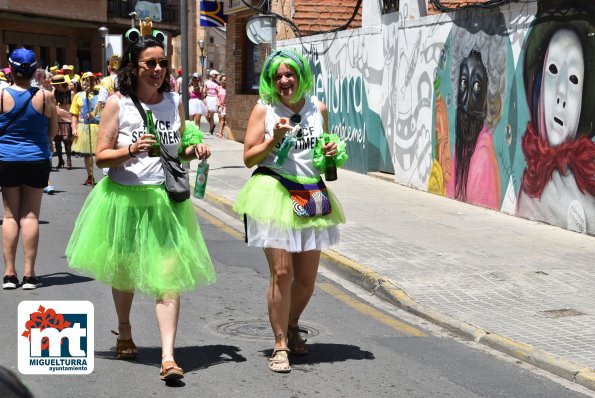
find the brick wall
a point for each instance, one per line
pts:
(321, 16)
(239, 105)
(81, 10)
(452, 4)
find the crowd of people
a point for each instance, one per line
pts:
(130, 234)
(206, 98)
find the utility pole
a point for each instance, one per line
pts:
(184, 32)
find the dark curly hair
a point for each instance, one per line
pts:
(126, 77)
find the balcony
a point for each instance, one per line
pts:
(121, 9)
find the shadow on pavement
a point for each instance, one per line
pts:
(322, 352)
(62, 278)
(188, 358)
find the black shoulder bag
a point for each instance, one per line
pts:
(177, 184)
(32, 91)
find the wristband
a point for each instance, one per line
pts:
(129, 152)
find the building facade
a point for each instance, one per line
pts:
(61, 33)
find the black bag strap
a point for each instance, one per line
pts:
(32, 91)
(140, 108)
(287, 183)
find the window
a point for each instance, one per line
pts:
(252, 67)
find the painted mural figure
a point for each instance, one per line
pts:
(558, 183)
(478, 76)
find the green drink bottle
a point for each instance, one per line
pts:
(200, 185)
(330, 168)
(155, 150)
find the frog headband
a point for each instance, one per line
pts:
(282, 53)
(146, 29)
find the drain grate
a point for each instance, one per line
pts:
(561, 313)
(259, 330)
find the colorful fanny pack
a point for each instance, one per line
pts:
(309, 200)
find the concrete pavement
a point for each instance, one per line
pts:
(518, 286)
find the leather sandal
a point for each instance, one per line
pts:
(295, 343)
(170, 371)
(279, 361)
(125, 349)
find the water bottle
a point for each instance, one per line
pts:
(288, 144)
(155, 150)
(330, 168)
(200, 185)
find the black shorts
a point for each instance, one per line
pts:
(34, 174)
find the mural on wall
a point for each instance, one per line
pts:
(476, 61)
(558, 183)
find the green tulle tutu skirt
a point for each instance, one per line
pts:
(136, 238)
(271, 221)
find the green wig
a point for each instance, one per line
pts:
(295, 61)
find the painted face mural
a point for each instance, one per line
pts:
(471, 113)
(562, 88)
(473, 85)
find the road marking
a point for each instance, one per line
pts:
(219, 224)
(370, 311)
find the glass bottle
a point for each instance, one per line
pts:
(155, 150)
(330, 168)
(200, 185)
(288, 144)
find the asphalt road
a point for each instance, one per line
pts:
(359, 347)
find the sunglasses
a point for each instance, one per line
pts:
(297, 119)
(152, 62)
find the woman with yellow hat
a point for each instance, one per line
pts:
(84, 123)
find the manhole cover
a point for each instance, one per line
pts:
(260, 330)
(561, 313)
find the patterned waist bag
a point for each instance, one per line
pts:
(309, 200)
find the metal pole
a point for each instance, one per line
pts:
(184, 30)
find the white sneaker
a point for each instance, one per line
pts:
(50, 189)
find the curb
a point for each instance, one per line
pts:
(388, 291)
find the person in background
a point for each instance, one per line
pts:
(221, 105)
(292, 243)
(211, 87)
(85, 123)
(3, 80)
(129, 233)
(28, 124)
(196, 106)
(63, 97)
(43, 80)
(179, 82)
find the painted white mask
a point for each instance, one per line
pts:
(562, 87)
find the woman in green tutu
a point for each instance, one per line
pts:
(292, 232)
(129, 234)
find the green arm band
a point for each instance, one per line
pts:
(340, 157)
(191, 136)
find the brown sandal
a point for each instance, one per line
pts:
(279, 358)
(125, 349)
(170, 371)
(295, 343)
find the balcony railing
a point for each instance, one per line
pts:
(121, 9)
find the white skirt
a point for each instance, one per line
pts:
(196, 106)
(292, 240)
(212, 103)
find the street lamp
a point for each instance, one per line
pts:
(103, 31)
(201, 45)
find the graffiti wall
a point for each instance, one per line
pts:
(495, 111)
(492, 107)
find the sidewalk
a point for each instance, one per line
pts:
(521, 287)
